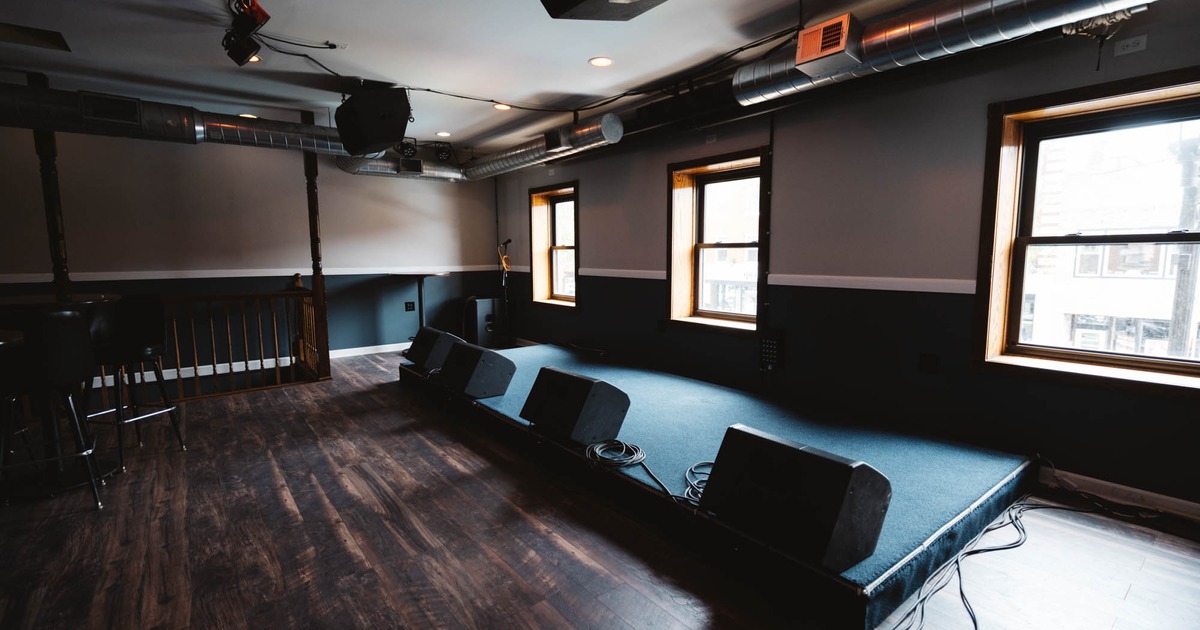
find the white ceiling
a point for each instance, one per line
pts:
(503, 50)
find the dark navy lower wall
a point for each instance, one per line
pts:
(904, 360)
(364, 310)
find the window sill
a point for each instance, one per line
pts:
(556, 303)
(713, 323)
(1098, 371)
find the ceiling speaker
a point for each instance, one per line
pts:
(608, 10)
(371, 121)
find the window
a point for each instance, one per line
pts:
(562, 247)
(553, 221)
(1096, 227)
(717, 256)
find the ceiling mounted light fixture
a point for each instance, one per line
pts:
(239, 42)
(408, 147)
(442, 151)
(600, 62)
(443, 134)
(502, 106)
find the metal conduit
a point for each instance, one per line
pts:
(588, 134)
(109, 115)
(936, 30)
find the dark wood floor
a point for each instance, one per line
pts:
(361, 502)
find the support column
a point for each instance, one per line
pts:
(47, 151)
(320, 310)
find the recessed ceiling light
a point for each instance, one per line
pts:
(502, 106)
(247, 115)
(254, 59)
(600, 62)
(443, 134)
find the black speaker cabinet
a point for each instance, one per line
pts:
(372, 120)
(577, 408)
(476, 372)
(429, 349)
(483, 316)
(598, 9)
(815, 506)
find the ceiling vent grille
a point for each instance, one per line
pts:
(830, 46)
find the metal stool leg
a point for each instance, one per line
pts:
(86, 449)
(166, 399)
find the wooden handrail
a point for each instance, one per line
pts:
(247, 341)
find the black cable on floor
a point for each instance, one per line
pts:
(914, 619)
(617, 454)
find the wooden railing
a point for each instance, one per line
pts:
(222, 344)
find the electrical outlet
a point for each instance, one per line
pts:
(1129, 46)
(710, 138)
(410, 306)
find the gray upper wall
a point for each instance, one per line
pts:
(141, 208)
(885, 181)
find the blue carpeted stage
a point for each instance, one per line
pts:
(943, 494)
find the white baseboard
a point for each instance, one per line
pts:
(1117, 493)
(203, 370)
(361, 350)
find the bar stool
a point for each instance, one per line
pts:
(12, 353)
(56, 363)
(127, 335)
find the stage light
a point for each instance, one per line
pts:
(240, 49)
(442, 151)
(408, 148)
(239, 42)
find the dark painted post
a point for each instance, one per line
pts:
(47, 150)
(320, 312)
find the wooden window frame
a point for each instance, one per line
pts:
(552, 202)
(701, 244)
(1015, 128)
(541, 243)
(685, 180)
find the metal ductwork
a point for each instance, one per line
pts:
(554, 144)
(120, 116)
(936, 30)
(561, 142)
(399, 167)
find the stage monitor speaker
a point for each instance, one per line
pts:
(606, 10)
(429, 349)
(484, 324)
(814, 506)
(574, 407)
(476, 372)
(373, 120)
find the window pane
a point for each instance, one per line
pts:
(731, 211)
(564, 223)
(1113, 182)
(728, 280)
(563, 274)
(1134, 306)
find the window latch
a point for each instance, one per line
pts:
(1177, 232)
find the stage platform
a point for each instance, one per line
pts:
(943, 494)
